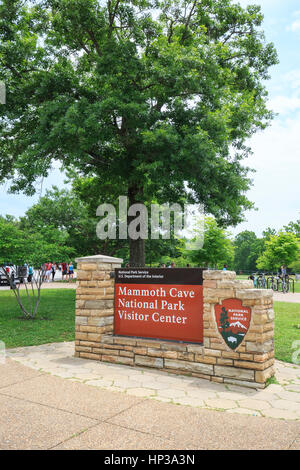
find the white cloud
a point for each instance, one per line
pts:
(292, 79)
(294, 27)
(284, 104)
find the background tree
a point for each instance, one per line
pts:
(62, 212)
(19, 247)
(247, 249)
(268, 232)
(280, 249)
(293, 227)
(217, 249)
(147, 95)
(295, 266)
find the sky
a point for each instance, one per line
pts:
(276, 150)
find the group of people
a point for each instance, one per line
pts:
(171, 265)
(66, 269)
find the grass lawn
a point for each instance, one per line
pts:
(55, 320)
(287, 329)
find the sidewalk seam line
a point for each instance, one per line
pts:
(21, 381)
(67, 411)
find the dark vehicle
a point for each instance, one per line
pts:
(16, 273)
(22, 273)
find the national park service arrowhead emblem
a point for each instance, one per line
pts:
(233, 321)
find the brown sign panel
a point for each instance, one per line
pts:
(233, 321)
(159, 303)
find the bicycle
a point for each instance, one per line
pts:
(273, 283)
(261, 282)
(285, 284)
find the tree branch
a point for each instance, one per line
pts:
(188, 22)
(234, 31)
(95, 42)
(12, 69)
(112, 15)
(84, 47)
(170, 31)
(96, 158)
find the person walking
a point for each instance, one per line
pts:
(284, 279)
(283, 271)
(53, 270)
(64, 268)
(30, 274)
(48, 271)
(71, 271)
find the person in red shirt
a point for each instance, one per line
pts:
(64, 269)
(48, 271)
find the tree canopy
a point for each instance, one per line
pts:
(153, 98)
(62, 211)
(281, 249)
(19, 246)
(247, 249)
(217, 248)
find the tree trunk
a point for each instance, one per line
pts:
(137, 252)
(136, 247)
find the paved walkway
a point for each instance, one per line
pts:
(289, 297)
(73, 403)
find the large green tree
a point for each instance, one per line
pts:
(280, 249)
(217, 248)
(62, 212)
(247, 249)
(19, 245)
(155, 97)
(293, 227)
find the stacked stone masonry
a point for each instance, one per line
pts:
(251, 364)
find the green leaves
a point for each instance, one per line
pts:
(217, 249)
(247, 249)
(281, 249)
(19, 246)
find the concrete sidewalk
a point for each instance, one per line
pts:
(288, 297)
(57, 401)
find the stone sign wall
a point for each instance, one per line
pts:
(238, 329)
